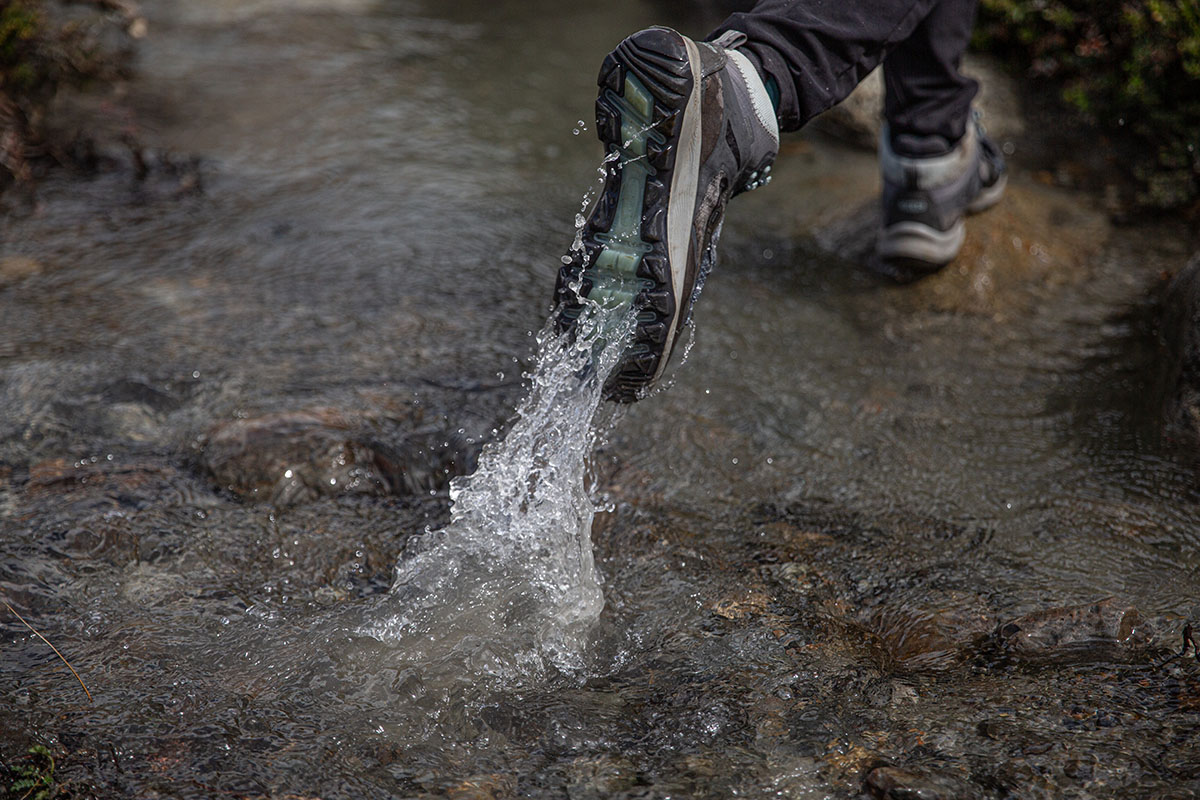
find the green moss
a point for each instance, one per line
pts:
(1129, 68)
(33, 777)
(19, 32)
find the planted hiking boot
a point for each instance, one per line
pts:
(925, 200)
(687, 125)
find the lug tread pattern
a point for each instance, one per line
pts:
(657, 59)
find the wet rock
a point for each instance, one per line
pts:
(1020, 778)
(859, 117)
(895, 783)
(482, 787)
(748, 602)
(1181, 337)
(120, 480)
(133, 422)
(14, 269)
(903, 694)
(111, 511)
(844, 764)
(1079, 769)
(140, 391)
(599, 777)
(1016, 735)
(148, 585)
(1107, 630)
(1036, 240)
(296, 456)
(933, 638)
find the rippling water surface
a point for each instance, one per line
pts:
(242, 399)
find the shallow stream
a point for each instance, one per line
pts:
(233, 395)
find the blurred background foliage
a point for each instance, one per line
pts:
(1130, 68)
(46, 46)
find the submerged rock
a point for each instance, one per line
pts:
(1107, 630)
(895, 783)
(481, 787)
(297, 456)
(936, 637)
(1181, 336)
(600, 776)
(14, 269)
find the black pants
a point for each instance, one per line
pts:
(819, 50)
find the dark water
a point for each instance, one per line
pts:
(811, 539)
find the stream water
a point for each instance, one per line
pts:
(240, 400)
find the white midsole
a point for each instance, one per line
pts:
(989, 196)
(918, 241)
(684, 184)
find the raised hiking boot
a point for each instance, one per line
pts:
(925, 201)
(687, 125)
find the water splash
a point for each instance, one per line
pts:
(509, 588)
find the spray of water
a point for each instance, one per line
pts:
(509, 587)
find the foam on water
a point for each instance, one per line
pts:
(509, 587)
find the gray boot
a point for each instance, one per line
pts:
(926, 199)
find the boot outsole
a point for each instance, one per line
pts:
(624, 263)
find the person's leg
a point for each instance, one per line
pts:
(927, 100)
(937, 165)
(688, 125)
(816, 53)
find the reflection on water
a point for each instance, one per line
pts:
(811, 538)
